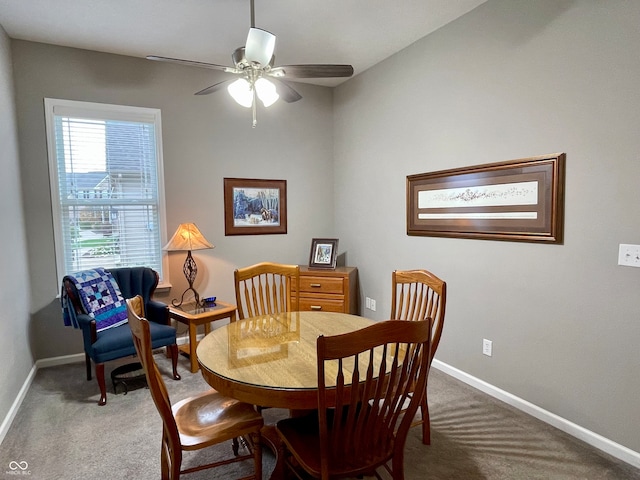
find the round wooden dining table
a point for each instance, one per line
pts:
(270, 360)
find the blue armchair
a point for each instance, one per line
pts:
(117, 342)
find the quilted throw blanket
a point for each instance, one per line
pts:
(100, 296)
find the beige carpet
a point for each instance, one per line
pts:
(61, 433)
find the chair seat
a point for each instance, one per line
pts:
(117, 342)
(302, 436)
(211, 418)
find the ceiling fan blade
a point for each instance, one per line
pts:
(260, 46)
(312, 71)
(213, 88)
(286, 91)
(191, 63)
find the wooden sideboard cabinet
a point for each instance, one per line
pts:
(329, 290)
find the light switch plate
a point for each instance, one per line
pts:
(487, 347)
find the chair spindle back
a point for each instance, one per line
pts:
(266, 288)
(365, 426)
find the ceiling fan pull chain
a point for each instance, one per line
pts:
(253, 106)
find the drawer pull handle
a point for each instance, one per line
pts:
(315, 285)
(316, 307)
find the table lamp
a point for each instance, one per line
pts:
(188, 237)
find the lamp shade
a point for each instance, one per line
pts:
(260, 46)
(266, 92)
(241, 92)
(187, 237)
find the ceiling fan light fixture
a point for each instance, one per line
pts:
(260, 46)
(266, 92)
(240, 91)
(255, 63)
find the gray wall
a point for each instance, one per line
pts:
(512, 79)
(205, 139)
(15, 355)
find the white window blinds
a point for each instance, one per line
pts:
(106, 185)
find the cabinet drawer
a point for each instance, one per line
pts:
(321, 304)
(322, 285)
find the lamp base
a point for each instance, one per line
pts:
(196, 297)
(190, 270)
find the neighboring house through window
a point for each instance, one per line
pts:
(107, 189)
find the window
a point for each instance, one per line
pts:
(107, 189)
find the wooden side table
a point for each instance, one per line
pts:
(192, 317)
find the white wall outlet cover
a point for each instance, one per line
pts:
(629, 255)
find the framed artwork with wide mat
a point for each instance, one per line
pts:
(517, 200)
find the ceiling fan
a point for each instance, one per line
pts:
(259, 78)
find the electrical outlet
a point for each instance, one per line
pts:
(370, 303)
(629, 255)
(487, 347)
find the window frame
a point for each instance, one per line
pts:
(101, 111)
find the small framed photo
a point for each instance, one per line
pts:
(324, 252)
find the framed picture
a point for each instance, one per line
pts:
(518, 200)
(255, 207)
(324, 252)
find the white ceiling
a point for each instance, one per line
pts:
(357, 32)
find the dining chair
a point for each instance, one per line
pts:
(266, 288)
(418, 295)
(197, 422)
(365, 377)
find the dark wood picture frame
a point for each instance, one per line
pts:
(516, 200)
(324, 252)
(255, 206)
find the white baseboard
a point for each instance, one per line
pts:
(595, 440)
(54, 361)
(8, 419)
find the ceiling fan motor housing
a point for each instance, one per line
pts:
(239, 59)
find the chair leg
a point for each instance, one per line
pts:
(283, 467)
(397, 466)
(164, 462)
(235, 446)
(101, 383)
(426, 423)
(87, 362)
(170, 460)
(173, 349)
(257, 454)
